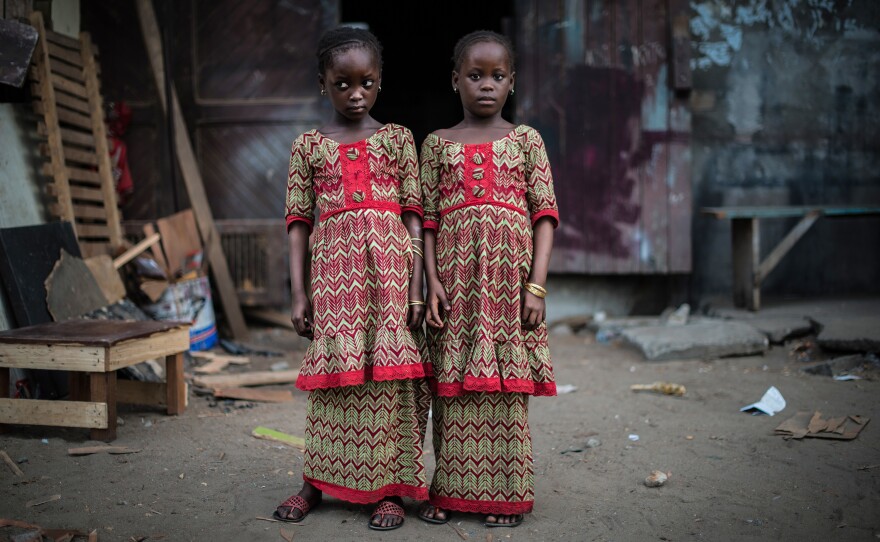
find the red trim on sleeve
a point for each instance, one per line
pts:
(552, 213)
(413, 209)
(291, 219)
(429, 225)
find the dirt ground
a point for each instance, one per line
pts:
(201, 476)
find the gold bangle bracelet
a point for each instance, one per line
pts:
(416, 239)
(411, 303)
(418, 251)
(535, 292)
(536, 286)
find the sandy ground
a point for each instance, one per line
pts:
(201, 476)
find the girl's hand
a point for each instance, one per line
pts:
(532, 309)
(301, 316)
(415, 314)
(438, 303)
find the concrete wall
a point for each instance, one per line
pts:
(785, 111)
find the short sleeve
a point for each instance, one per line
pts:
(300, 190)
(429, 176)
(539, 179)
(410, 194)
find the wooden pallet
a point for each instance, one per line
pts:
(67, 98)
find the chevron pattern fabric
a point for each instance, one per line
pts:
(361, 258)
(364, 443)
(482, 195)
(484, 454)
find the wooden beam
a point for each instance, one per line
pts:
(166, 343)
(102, 150)
(68, 86)
(62, 40)
(746, 255)
(253, 378)
(60, 53)
(93, 230)
(102, 389)
(58, 357)
(136, 250)
(192, 177)
(175, 384)
(58, 413)
(772, 259)
(141, 393)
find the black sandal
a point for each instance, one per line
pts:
(387, 508)
(435, 521)
(511, 524)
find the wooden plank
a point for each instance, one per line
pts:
(66, 115)
(180, 237)
(107, 277)
(679, 170)
(56, 413)
(784, 246)
(10, 463)
(72, 155)
(82, 193)
(61, 183)
(176, 385)
(68, 86)
(69, 136)
(788, 211)
(60, 53)
(58, 357)
(136, 250)
(253, 378)
(156, 250)
(102, 150)
(192, 177)
(161, 344)
(90, 248)
(71, 102)
(62, 40)
(102, 389)
(141, 393)
(746, 255)
(74, 73)
(251, 394)
(93, 230)
(89, 176)
(92, 212)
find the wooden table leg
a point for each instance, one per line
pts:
(102, 389)
(175, 386)
(746, 259)
(4, 387)
(79, 386)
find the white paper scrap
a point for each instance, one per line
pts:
(771, 403)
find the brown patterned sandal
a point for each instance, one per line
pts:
(386, 508)
(294, 502)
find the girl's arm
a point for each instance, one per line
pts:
(416, 313)
(437, 301)
(300, 306)
(429, 175)
(534, 309)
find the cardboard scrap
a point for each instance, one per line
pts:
(270, 434)
(113, 450)
(804, 424)
(250, 394)
(10, 463)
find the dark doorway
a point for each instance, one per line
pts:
(418, 39)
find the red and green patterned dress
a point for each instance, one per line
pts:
(368, 406)
(482, 200)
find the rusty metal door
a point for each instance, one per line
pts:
(606, 83)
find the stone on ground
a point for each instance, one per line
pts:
(705, 339)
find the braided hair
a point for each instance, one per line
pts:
(480, 36)
(344, 38)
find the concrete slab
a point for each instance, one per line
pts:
(779, 328)
(854, 363)
(706, 339)
(851, 334)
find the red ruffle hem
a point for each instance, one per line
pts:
(481, 507)
(358, 496)
(493, 385)
(360, 376)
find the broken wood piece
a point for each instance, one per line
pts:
(277, 436)
(666, 388)
(255, 378)
(38, 502)
(180, 238)
(136, 250)
(113, 450)
(10, 463)
(259, 395)
(235, 360)
(286, 535)
(71, 289)
(154, 288)
(218, 362)
(107, 277)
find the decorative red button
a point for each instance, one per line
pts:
(478, 158)
(352, 154)
(479, 191)
(358, 196)
(478, 173)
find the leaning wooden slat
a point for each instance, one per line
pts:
(102, 150)
(94, 248)
(85, 175)
(60, 53)
(64, 41)
(66, 115)
(71, 72)
(72, 155)
(68, 86)
(71, 102)
(69, 136)
(93, 230)
(78, 193)
(93, 212)
(61, 186)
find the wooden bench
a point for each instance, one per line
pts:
(92, 350)
(749, 270)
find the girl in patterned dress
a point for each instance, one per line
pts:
(368, 407)
(490, 212)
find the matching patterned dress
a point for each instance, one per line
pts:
(482, 200)
(368, 407)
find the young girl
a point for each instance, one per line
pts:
(489, 218)
(368, 406)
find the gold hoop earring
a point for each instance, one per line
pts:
(323, 92)
(511, 92)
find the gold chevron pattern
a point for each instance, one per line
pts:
(484, 253)
(364, 443)
(361, 258)
(484, 454)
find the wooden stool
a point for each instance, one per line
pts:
(92, 350)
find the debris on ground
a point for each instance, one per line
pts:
(112, 450)
(253, 378)
(656, 478)
(771, 403)
(804, 424)
(249, 394)
(565, 388)
(679, 316)
(856, 365)
(217, 362)
(277, 436)
(10, 463)
(237, 349)
(666, 388)
(42, 500)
